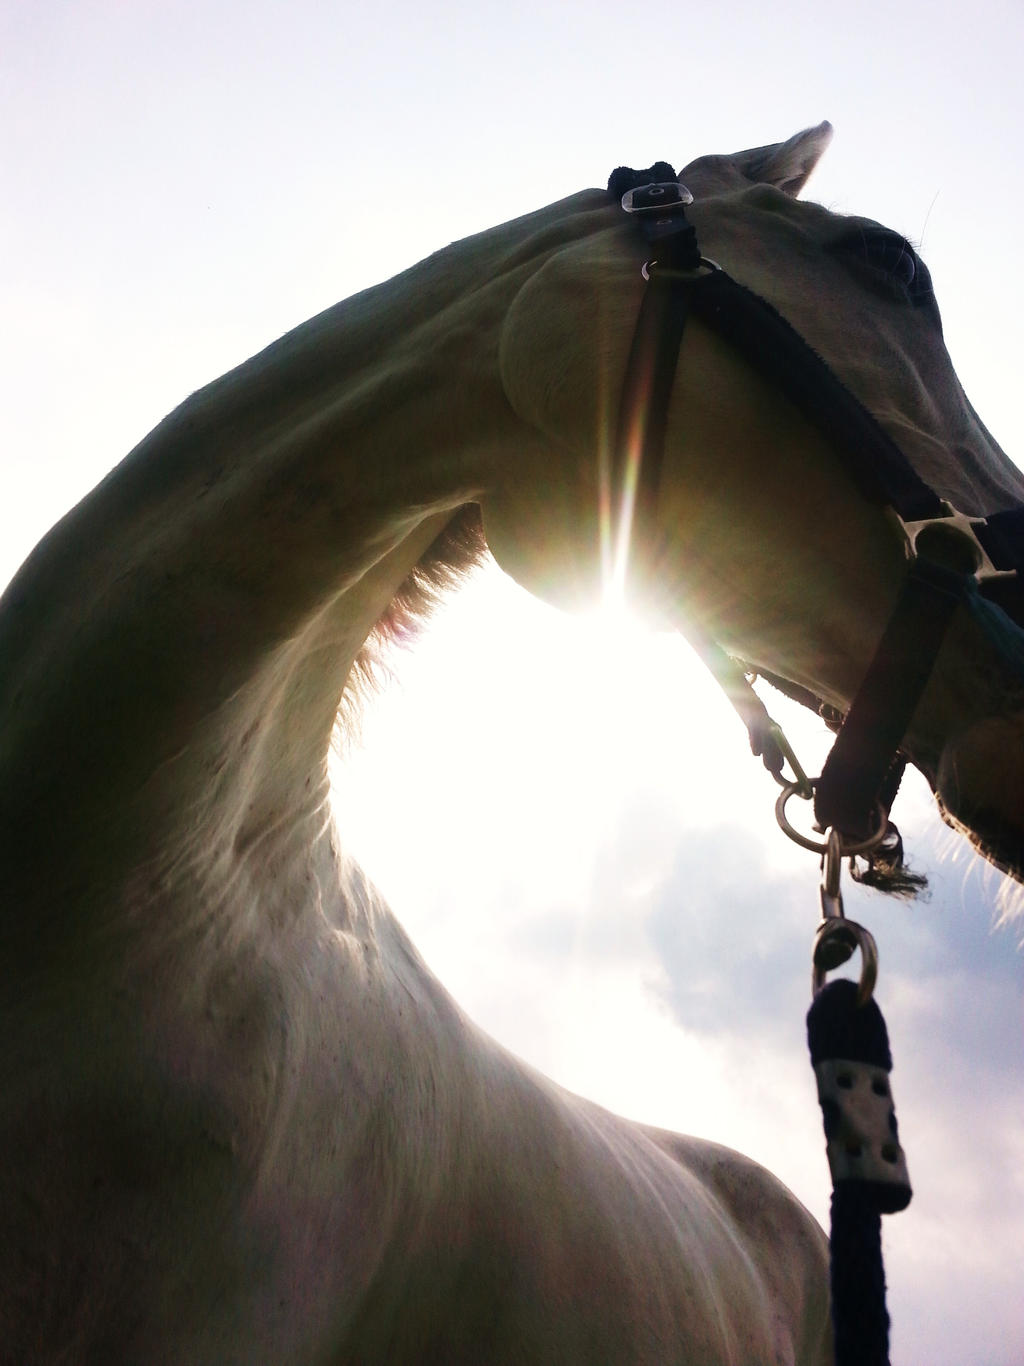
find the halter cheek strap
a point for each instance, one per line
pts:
(658, 203)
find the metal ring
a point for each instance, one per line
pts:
(821, 846)
(705, 262)
(868, 956)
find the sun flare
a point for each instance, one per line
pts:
(511, 726)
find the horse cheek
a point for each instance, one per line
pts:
(542, 515)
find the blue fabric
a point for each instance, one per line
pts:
(860, 1320)
(838, 1028)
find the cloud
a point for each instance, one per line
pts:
(730, 937)
(721, 942)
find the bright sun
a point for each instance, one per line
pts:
(511, 723)
(524, 768)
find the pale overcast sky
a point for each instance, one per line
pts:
(574, 835)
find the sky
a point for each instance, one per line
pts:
(564, 815)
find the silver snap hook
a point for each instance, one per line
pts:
(835, 941)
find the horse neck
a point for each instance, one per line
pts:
(177, 647)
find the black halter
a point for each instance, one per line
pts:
(865, 765)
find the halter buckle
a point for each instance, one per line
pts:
(657, 197)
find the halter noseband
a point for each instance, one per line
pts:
(953, 554)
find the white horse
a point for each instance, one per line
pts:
(240, 1121)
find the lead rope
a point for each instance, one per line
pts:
(845, 1029)
(850, 1054)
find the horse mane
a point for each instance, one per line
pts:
(445, 565)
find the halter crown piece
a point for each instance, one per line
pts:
(974, 562)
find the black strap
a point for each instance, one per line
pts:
(624, 178)
(777, 351)
(646, 394)
(639, 448)
(870, 737)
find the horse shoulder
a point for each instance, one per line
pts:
(563, 1233)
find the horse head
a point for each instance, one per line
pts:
(765, 537)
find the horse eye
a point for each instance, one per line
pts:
(890, 255)
(895, 256)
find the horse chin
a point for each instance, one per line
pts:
(980, 786)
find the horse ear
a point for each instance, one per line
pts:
(786, 165)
